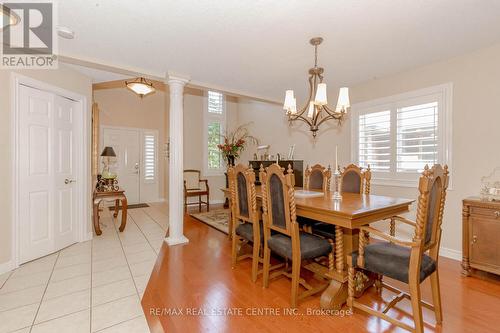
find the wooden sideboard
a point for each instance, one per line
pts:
(297, 166)
(481, 236)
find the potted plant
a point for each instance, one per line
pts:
(235, 142)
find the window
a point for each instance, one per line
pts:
(149, 151)
(214, 127)
(398, 135)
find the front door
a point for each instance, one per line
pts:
(126, 144)
(47, 170)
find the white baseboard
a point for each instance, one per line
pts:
(158, 200)
(214, 202)
(7, 267)
(450, 253)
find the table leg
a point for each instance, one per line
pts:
(117, 208)
(347, 241)
(124, 214)
(97, 228)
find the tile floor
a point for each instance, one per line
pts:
(93, 286)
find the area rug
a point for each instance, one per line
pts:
(217, 219)
(141, 205)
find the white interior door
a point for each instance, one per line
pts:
(126, 144)
(47, 155)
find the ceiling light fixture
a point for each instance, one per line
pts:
(315, 112)
(65, 32)
(8, 17)
(141, 86)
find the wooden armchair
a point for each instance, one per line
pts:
(281, 232)
(246, 226)
(193, 188)
(353, 179)
(408, 261)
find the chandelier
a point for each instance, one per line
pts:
(316, 111)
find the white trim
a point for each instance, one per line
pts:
(176, 241)
(83, 209)
(7, 266)
(206, 118)
(445, 92)
(450, 253)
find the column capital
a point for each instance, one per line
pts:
(177, 78)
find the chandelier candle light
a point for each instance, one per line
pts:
(315, 112)
(336, 177)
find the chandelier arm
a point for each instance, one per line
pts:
(300, 117)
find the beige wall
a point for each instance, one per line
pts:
(120, 107)
(476, 115)
(63, 77)
(194, 107)
(270, 126)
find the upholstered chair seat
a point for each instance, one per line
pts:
(310, 246)
(245, 230)
(393, 261)
(324, 230)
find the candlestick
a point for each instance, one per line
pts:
(336, 157)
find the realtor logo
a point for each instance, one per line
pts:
(28, 35)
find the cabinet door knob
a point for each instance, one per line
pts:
(474, 239)
(497, 213)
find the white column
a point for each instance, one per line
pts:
(176, 166)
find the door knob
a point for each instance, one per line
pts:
(69, 181)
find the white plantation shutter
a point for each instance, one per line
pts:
(215, 102)
(398, 135)
(417, 137)
(149, 157)
(375, 140)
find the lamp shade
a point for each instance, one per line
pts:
(320, 98)
(343, 102)
(293, 107)
(140, 86)
(310, 111)
(287, 105)
(108, 152)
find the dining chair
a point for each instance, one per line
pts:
(408, 261)
(282, 235)
(317, 177)
(353, 179)
(193, 188)
(246, 226)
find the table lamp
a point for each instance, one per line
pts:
(107, 153)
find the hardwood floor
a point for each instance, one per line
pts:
(198, 276)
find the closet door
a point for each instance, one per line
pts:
(46, 159)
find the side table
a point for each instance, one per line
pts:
(118, 196)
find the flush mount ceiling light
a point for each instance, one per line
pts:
(141, 86)
(8, 17)
(65, 32)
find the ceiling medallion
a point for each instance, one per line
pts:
(316, 111)
(141, 86)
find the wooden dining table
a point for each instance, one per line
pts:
(350, 213)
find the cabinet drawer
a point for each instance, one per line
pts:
(486, 212)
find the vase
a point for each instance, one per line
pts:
(230, 160)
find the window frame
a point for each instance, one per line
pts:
(442, 94)
(209, 118)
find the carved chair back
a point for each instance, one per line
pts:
(432, 187)
(243, 195)
(278, 201)
(317, 177)
(354, 180)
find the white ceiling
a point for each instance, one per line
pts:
(261, 47)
